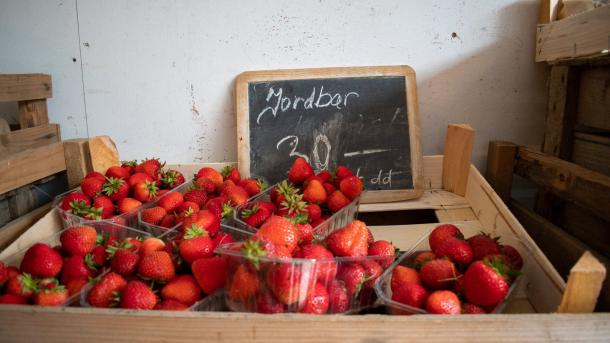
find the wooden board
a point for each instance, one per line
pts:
(582, 35)
(374, 129)
(594, 98)
(17, 87)
(458, 152)
(584, 284)
(500, 164)
(548, 11)
(32, 113)
(13, 229)
(33, 137)
(103, 152)
(592, 151)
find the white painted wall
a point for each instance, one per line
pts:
(158, 75)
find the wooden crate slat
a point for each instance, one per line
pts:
(431, 199)
(456, 161)
(584, 284)
(592, 151)
(582, 35)
(500, 164)
(594, 97)
(13, 229)
(18, 87)
(33, 113)
(32, 137)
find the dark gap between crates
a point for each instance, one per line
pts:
(404, 217)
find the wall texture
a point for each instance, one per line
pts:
(158, 76)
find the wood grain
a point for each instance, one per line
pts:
(583, 286)
(592, 151)
(500, 164)
(594, 98)
(548, 11)
(12, 230)
(561, 111)
(103, 153)
(33, 137)
(32, 113)
(458, 152)
(17, 87)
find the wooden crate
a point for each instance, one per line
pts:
(477, 205)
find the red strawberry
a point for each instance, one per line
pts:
(76, 203)
(210, 273)
(423, 258)
(197, 196)
(317, 302)
(210, 175)
(351, 240)
(483, 245)
(329, 187)
(92, 186)
(12, 299)
(21, 285)
(253, 186)
(129, 165)
(3, 273)
(157, 266)
(116, 189)
(172, 178)
(196, 244)
(97, 257)
(512, 254)
(203, 219)
(411, 294)
(106, 205)
(353, 276)
(243, 283)
(442, 232)
(315, 177)
(96, 175)
(325, 266)
(336, 201)
(281, 191)
(118, 172)
(12, 272)
(145, 191)
(266, 302)
(40, 260)
(437, 274)
(137, 295)
(313, 212)
(169, 221)
(78, 240)
(222, 238)
(124, 262)
(182, 288)
(205, 185)
(237, 195)
(231, 173)
(458, 250)
(289, 283)
(341, 173)
(102, 294)
(383, 248)
(472, 309)
(150, 167)
(305, 233)
(300, 171)
(485, 282)
(153, 215)
(280, 231)
(292, 205)
(351, 186)
(373, 270)
(171, 305)
(339, 300)
(171, 201)
(255, 216)
(74, 286)
(76, 267)
(127, 205)
(187, 208)
(314, 193)
(443, 302)
(149, 245)
(220, 207)
(325, 176)
(55, 296)
(139, 177)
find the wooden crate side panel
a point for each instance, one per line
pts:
(594, 98)
(48, 225)
(33, 137)
(587, 227)
(545, 285)
(592, 152)
(17, 87)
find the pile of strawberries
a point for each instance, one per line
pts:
(122, 189)
(308, 199)
(277, 271)
(210, 198)
(457, 276)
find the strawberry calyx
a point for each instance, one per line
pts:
(112, 249)
(79, 207)
(301, 218)
(194, 231)
(115, 299)
(286, 188)
(262, 184)
(28, 283)
(90, 262)
(152, 188)
(112, 185)
(226, 170)
(169, 178)
(294, 203)
(131, 163)
(57, 288)
(249, 211)
(94, 213)
(253, 250)
(227, 211)
(499, 267)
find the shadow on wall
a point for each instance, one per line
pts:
(483, 88)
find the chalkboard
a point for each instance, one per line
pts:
(364, 118)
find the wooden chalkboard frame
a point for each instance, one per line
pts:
(377, 196)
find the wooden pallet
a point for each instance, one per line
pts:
(479, 207)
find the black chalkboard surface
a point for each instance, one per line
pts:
(364, 118)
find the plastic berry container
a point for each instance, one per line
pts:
(335, 221)
(383, 287)
(273, 285)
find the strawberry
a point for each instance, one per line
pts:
(289, 283)
(437, 274)
(485, 283)
(281, 191)
(157, 266)
(220, 207)
(78, 240)
(116, 189)
(312, 178)
(483, 245)
(443, 302)
(243, 283)
(423, 258)
(197, 196)
(329, 187)
(472, 309)
(442, 232)
(40, 260)
(139, 177)
(313, 212)
(172, 178)
(187, 208)
(292, 205)
(76, 203)
(350, 240)
(210, 175)
(127, 205)
(231, 173)
(150, 167)
(317, 302)
(3, 273)
(21, 285)
(74, 286)
(456, 249)
(411, 294)
(124, 262)
(314, 193)
(351, 186)
(171, 201)
(118, 172)
(170, 305)
(305, 233)
(402, 275)
(12, 299)
(373, 270)
(203, 219)
(516, 261)
(137, 295)
(222, 238)
(131, 243)
(96, 175)
(149, 245)
(280, 231)
(205, 185)
(196, 244)
(169, 221)
(341, 173)
(55, 296)
(106, 206)
(97, 257)
(145, 191)
(336, 201)
(325, 176)
(237, 195)
(325, 266)
(182, 288)
(92, 186)
(253, 186)
(353, 276)
(255, 216)
(266, 302)
(385, 249)
(129, 165)
(300, 171)
(102, 294)
(339, 300)
(210, 273)
(153, 215)
(12, 272)
(76, 267)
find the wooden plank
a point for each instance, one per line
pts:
(500, 164)
(103, 153)
(584, 283)
(592, 151)
(458, 152)
(594, 98)
(29, 165)
(548, 11)
(33, 113)
(29, 138)
(431, 199)
(13, 229)
(77, 159)
(567, 180)
(17, 87)
(455, 214)
(585, 226)
(582, 35)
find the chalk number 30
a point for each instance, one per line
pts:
(318, 163)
